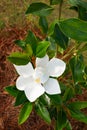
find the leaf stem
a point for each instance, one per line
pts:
(71, 51)
(59, 17)
(60, 9)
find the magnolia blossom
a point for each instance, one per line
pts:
(35, 82)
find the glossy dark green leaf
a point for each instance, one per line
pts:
(52, 26)
(18, 58)
(53, 112)
(44, 99)
(86, 69)
(82, 13)
(78, 88)
(78, 115)
(59, 37)
(74, 8)
(68, 126)
(63, 87)
(43, 23)
(78, 105)
(84, 84)
(28, 50)
(54, 2)
(52, 48)
(25, 46)
(20, 43)
(12, 90)
(81, 8)
(69, 93)
(77, 68)
(51, 53)
(40, 9)
(74, 28)
(61, 120)
(25, 112)
(21, 98)
(81, 3)
(42, 48)
(42, 111)
(32, 40)
(56, 99)
(74, 2)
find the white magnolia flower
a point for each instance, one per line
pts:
(35, 82)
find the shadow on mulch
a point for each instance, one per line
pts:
(9, 113)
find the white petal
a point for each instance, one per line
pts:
(41, 74)
(34, 91)
(24, 70)
(52, 86)
(23, 82)
(56, 67)
(42, 62)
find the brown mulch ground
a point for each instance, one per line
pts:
(9, 113)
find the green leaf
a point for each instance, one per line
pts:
(21, 98)
(54, 2)
(59, 37)
(77, 68)
(52, 26)
(68, 126)
(81, 8)
(25, 112)
(2, 24)
(78, 105)
(86, 69)
(61, 120)
(25, 45)
(42, 112)
(78, 3)
(74, 2)
(20, 43)
(74, 28)
(43, 23)
(40, 9)
(63, 87)
(78, 115)
(82, 13)
(44, 99)
(32, 40)
(52, 48)
(78, 88)
(56, 99)
(69, 93)
(28, 50)
(51, 53)
(19, 58)
(74, 8)
(42, 48)
(12, 90)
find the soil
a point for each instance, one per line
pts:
(9, 113)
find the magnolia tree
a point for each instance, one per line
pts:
(52, 70)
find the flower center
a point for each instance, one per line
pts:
(37, 80)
